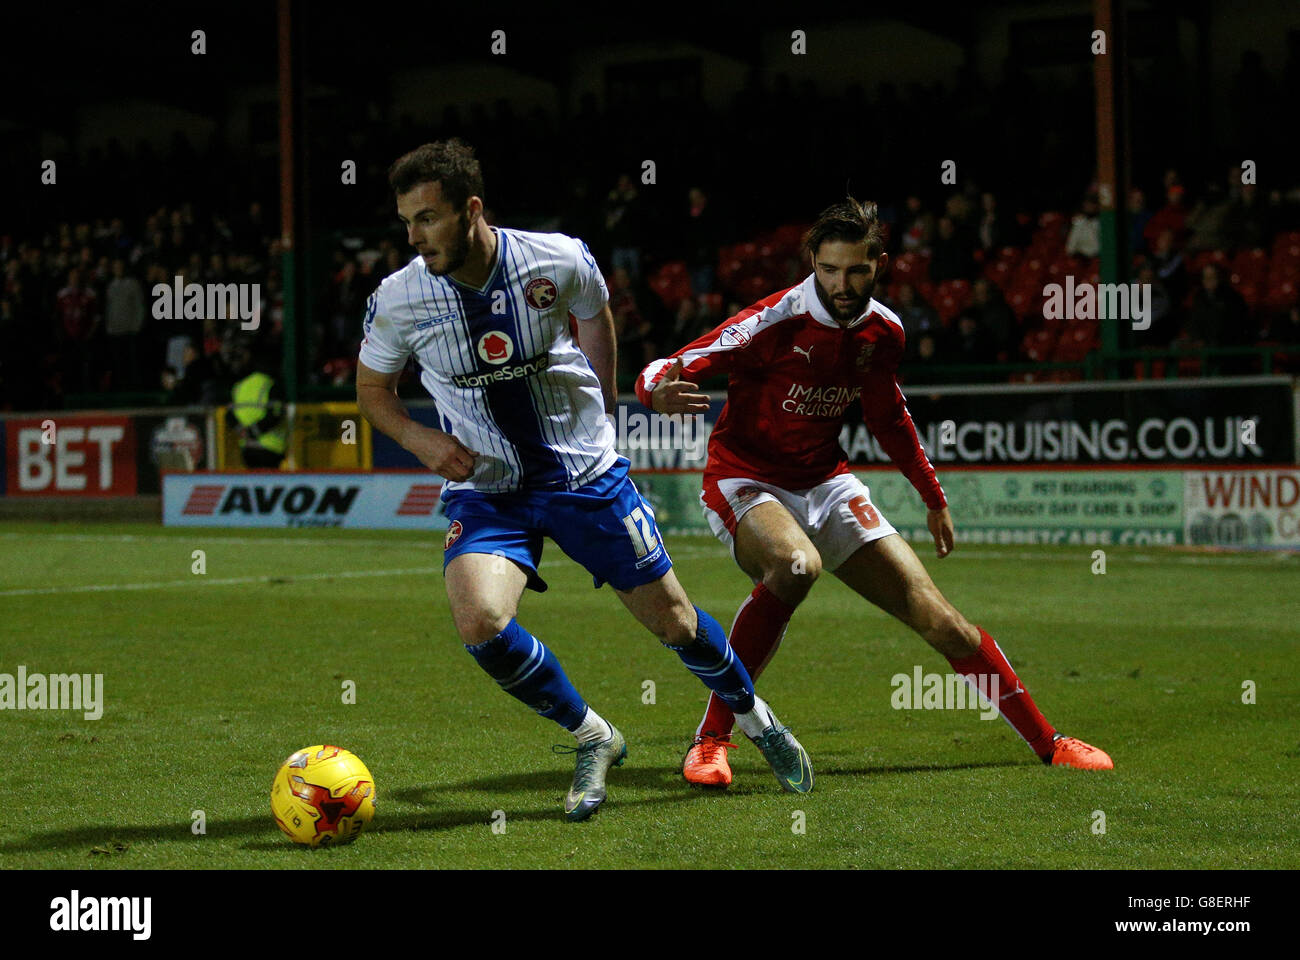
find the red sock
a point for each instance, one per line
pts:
(1017, 706)
(755, 634)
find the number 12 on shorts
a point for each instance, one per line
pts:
(641, 531)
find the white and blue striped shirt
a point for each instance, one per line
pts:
(501, 362)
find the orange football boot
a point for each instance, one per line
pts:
(706, 762)
(1073, 752)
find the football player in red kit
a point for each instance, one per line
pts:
(777, 487)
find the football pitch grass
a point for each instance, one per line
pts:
(212, 680)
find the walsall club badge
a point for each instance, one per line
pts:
(540, 293)
(864, 357)
(453, 534)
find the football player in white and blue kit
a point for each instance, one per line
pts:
(527, 451)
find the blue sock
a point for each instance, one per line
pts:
(711, 659)
(524, 668)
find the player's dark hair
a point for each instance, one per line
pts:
(848, 221)
(448, 162)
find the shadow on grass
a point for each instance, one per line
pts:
(434, 796)
(838, 771)
(537, 783)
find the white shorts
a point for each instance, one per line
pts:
(837, 515)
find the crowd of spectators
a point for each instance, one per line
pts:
(78, 316)
(682, 249)
(1223, 271)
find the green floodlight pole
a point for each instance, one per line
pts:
(1110, 84)
(288, 254)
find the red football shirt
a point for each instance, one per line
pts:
(792, 372)
(75, 309)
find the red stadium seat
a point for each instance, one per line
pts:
(1059, 267)
(729, 270)
(1284, 266)
(1025, 301)
(1050, 236)
(1078, 340)
(1281, 296)
(947, 306)
(957, 288)
(1051, 220)
(1198, 261)
(1031, 272)
(1289, 240)
(1286, 256)
(912, 266)
(753, 289)
(789, 238)
(672, 283)
(1251, 266)
(998, 273)
(1038, 345)
(773, 260)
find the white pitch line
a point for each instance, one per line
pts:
(236, 581)
(1261, 558)
(686, 550)
(223, 582)
(158, 538)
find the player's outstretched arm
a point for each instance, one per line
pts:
(672, 394)
(667, 385)
(378, 402)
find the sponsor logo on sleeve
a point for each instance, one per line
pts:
(735, 336)
(431, 321)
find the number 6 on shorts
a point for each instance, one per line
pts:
(865, 512)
